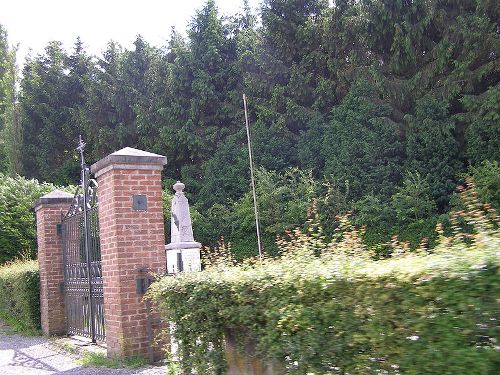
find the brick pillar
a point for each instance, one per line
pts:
(132, 244)
(48, 211)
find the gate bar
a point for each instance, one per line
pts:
(84, 180)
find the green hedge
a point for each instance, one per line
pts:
(20, 295)
(343, 312)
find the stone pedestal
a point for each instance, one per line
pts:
(49, 210)
(132, 245)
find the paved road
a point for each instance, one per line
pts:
(20, 355)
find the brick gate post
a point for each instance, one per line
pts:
(132, 244)
(48, 210)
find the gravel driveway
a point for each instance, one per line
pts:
(39, 356)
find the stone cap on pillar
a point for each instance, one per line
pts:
(183, 245)
(129, 158)
(54, 197)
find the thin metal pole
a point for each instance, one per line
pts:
(253, 179)
(86, 230)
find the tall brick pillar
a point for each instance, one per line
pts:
(132, 244)
(48, 211)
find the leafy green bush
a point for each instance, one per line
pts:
(282, 198)
(17, 217)
(19, 294)
(487, 179)
(329, 307)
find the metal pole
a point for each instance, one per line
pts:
(253, 180)
(84, 181)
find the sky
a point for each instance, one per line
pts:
(34, 23)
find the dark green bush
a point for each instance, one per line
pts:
(20, 295)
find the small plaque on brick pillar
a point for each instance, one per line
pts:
(140, 202)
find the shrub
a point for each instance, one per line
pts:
(282, 199)
(430, 314)
(487, 179)
(19, 294)
(17, 218)
(328, 308)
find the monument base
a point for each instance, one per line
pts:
(183, 257)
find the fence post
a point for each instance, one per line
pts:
(132, 244)
(48, 210)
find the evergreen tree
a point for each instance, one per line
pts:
(11, 133)
(413, 201)
(287, 27)
(134, 87)
(361, 145)
(10, 127)
(215, 105)
(163, 125)
(198, 87)
(105, 105)
(414, 209)
(431, 148)
(51, 99)
(4, 62)
(482, 136)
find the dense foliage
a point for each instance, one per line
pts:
(17, 217)
(384, 104)
(327, 308)
(10, 122)
(19, 294)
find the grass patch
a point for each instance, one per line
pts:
(90, 359)
(66, 346)
(15, 326)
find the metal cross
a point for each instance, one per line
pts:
(81, 147)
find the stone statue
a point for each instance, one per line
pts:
(183, 252)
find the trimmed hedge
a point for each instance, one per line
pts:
(344, 313)
(19, 294)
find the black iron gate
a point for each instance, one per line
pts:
(82, 261)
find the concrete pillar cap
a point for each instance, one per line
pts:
(129, 158)
(54, 197)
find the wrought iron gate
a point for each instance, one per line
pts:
(82, 260)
